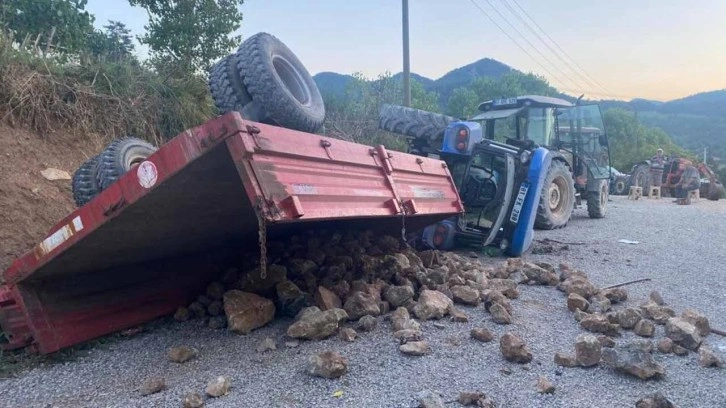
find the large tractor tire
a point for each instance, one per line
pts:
(280, 84)
(412, 122)
(716, 193)
(620, 185)
(641, 177)
(228, 91)
(597, 201)
(557, 199)
(84, 184)
(119, 157)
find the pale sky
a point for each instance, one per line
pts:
(660, 50)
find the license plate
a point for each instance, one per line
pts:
(517, 210)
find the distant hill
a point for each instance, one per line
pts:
(331, 83)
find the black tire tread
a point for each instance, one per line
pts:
(542, 221)
(262, 85)
(413, 122)
(594, 210)
(84, 184)
(226, 87)
(108, 169)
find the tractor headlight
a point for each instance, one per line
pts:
(525, 156)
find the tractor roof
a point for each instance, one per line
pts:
(532, 101)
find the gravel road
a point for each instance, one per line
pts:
(680, 248)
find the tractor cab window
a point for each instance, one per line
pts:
(481, 190)
(540, 126)
(582, 132)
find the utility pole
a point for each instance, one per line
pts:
(406, 62)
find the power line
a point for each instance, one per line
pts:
(513, 40)
(560, 48)
(585, 79)
(571, 81)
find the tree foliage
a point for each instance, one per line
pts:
(464, 101)
(73, 24)
(190, 33)
(115, 42)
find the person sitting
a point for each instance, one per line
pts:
(690, 181)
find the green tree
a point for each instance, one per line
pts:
(73, 24)
(115, 42)
(191, 34)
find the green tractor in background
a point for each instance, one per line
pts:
(574, 133)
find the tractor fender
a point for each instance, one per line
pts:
(524, 231)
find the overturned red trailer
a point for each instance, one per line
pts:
(151, 241)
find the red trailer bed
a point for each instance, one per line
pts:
(150, 241)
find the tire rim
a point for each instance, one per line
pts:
(603, 196)
(293, 79)
(619, 186)
(136, 160)
(556, 198)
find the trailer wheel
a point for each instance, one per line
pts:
(84, 184)
(413, 122)
(282, 86)
(228, 91)
(717, 192)
(119, 157)
(621, 186)
(557, 199)
(597, 201)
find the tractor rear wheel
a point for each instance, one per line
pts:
(84, 184)
(641, 177)
(597, 201)
(557, 199)
(412, 122)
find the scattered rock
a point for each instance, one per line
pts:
(499, 314)
(218, 387)
(579, 315)
(457, 315)
(506, 371)
(360, 304)
(588, 350)
(482, 334)
(439, 325)
(215, 291)
(341, 289)
(52, 174)
(384, 307)
(539, 275)
(578, 284)
(415, 348)
(599, 304)
(466, 295)
(407, 335)
(328, 364)
(514, 349)
(347, 334)
(268, 344)
(152, 386)
(401, 320)
(565, 360)
(633, 359)
(292, 343)
(657, 313)
(432, 304)
(182, 314)
(616, 295)
(606, 341)
(290, 299)
(181, 354)
(544, 386)
(697, 319)
(507, 287)
(656, 400)
(215, 308)
(193, 400)
(430, 399)
(708, 358)
(314, 324)
(577, 302)
(247, 311)
(492, 296)
(327, 299)
(680, 350)
(598, 323)
(197, 309)
(477, 399)
(629, 317)
(253, 282)
(656, 298)
(645, 328)
(665, 345)
(367, 323)
(217, 322)
(683, 333)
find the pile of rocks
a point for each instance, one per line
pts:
(326, 280)
(595, 311)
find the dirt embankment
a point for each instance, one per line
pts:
(29, 204)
